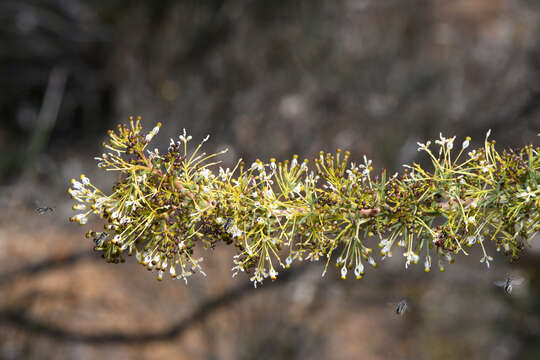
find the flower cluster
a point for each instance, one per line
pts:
(165, 207)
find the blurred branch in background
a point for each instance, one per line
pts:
(46, 265)
(19, 318)
(47, 116)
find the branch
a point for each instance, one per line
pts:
(48, 113)
(45, 265)
(21, 320)
(165, 205)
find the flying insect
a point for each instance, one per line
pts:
(508, 283)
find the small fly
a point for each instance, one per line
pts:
(44, 210)
(508, 283)
(100, 239)
(401, 307)
(228, 224)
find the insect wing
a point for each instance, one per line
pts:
(518, 281)
(401, 307)
(44, 209)
(100, 239)
(501, 283)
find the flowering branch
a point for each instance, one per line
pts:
(166, 206)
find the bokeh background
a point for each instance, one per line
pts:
(265, 79)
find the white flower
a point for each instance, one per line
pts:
(288, 261)
(172, 271)
(141, 178)
(185, 138)
(359, 270)
(486, 259)
(79, 207)
(147, 259)
(386, 246)
(205, 173)
(427, 264)
(236, 232)
(366, 166)
(219, 220)
(471, 240)
(527, 194)
(367, 163)
(85, 180)
(152, 133)
(449, 143)
(257, 166)
(75, 193)
(100, 202)
(411, 257)
(351, 175)
(442, 140)
(77, 185)
(153, 154)
(80, 218)
(449, 257)
(372, 262)
(471, 220)
(344, 272)
(260, 220)
(485, 166)
(164, 265)
(423, 147)
(273, 274)
(224, 174)
(466, 143)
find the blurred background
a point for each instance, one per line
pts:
(265, 79)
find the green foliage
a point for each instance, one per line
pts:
(164, 206)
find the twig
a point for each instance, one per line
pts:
(45, 265)
(47, 114)
(19, 319)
